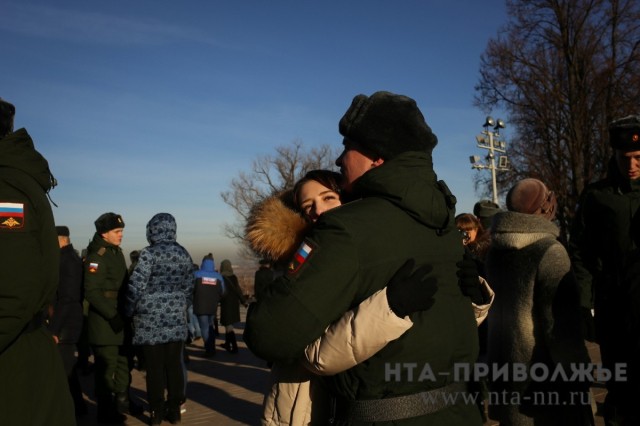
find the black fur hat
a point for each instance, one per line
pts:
(62, 231)
(387, 124)
(624, 133)
(108, 221)
(7, 112)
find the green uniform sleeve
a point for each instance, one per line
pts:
(95, 275)
(319, 286)
(581, 255)
(21, 284)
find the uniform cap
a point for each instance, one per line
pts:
(624, 133)
(62, 231)
(108, 221)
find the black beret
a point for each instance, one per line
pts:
(108, 221)
(62, 231)
(624, 133)
(387, 124)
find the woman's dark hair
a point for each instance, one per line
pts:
(468, 222)
(328, 178)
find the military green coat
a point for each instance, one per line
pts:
(105, 273)
(352, 252)
(34, 388)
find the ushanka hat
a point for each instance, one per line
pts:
(624, 133)
(387, 125)
(108, 221)
(531, 196)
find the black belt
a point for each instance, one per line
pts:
(35, 323)
(401, 407)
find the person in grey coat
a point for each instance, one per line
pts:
(535, 317)
(159, 292)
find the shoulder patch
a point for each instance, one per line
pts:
(93, 267)
(101, 251)
(11, 215)
(209, 281)
(302, 255)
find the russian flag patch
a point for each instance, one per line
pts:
(301, 256)
(93, 267)
(11, 215)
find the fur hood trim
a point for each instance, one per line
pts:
(274, 229)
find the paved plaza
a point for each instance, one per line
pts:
(227, 389)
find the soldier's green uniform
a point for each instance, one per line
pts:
(105, 273)
(33, 389)
(352, 252)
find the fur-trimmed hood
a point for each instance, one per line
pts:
(274, 230)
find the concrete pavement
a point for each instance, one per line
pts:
(228, 389)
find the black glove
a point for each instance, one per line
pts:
(117, 323)
(468, 279)
(411, 292)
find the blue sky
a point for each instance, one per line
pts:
(149, 106)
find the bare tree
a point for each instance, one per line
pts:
(562, 70)
(271, 174)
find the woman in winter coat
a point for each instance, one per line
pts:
(535, 317)
(230, 305)
(160, 289)
(275, 230)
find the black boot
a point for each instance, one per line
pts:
(124, 405)
(173, 415)
(107, 412)
(233, 345)
(226, 342)
(156, 417)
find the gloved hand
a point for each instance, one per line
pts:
(409, 292)
(116, 323)
(468, 279)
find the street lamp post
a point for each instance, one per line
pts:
(490, 140)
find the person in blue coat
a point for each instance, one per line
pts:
(207, 293)
(158, 295)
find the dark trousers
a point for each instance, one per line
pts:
(112, 372)
(164, 367)
(67, 353)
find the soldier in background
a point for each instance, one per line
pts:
(34, 388)
(65, 314)
(105, 275)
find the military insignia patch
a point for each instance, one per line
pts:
(301, 256)
(93, 267)
(11, 215)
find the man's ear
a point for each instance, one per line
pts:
(377, 162)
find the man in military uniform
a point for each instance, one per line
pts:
(65, 314)
(34, 388)
(402, 212)
(105, 273)
(600, 244)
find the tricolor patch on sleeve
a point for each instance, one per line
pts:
(301, 256)
(11, 215)
(93, 267)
